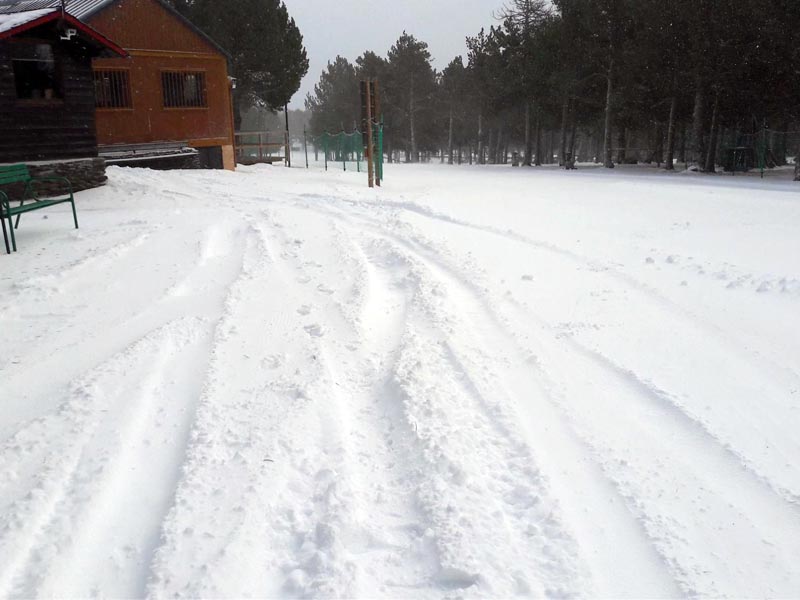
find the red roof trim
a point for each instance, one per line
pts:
(79, 25)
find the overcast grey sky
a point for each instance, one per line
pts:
(349, 27)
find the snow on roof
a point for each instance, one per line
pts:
(84, 9)
(11, 21)
(77, 8)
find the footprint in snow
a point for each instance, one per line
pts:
(272, 362)
(304, 310)
(324, 289)
(314, 330)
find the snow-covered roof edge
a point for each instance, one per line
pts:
(14, 20)
(86, 9)
(15, 23)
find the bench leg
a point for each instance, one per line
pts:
(5, 233)
(11, 232)
(16, 225)
(74, 214)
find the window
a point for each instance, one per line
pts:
(183, 89)
(35, 72)
(112, 88)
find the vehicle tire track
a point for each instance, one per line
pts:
(759, 492)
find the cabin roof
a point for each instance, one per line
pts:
(86, 9)
(15, 20)
(12, 24)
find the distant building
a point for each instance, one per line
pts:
(173, 90)
(47, 103)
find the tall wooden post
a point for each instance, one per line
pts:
(370, 143)
(305, 144)
(377, 158)
(288, 141)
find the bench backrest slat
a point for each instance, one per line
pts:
(14, 174)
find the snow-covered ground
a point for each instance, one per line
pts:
(472, 382)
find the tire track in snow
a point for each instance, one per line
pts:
(765, 462)
(117, 319)
(108, 500)
(381, 534)
(443, 475)
(454, 506)
(482, 361)
(51, 507)
(690, 573)
(257, 509)
(690, 492)
(770, 509)
(726, 340)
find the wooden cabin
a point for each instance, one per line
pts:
(174, 88)
(47, 104)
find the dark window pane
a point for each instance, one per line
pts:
(182, 89)
(112, 89)
(35, 71)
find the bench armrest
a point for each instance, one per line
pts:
(30, 188)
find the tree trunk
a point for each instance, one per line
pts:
(527, 158)
(622, 145)
(499, 147)
(450, 140)
(607, 161)
(480, 138)
(597, 148)
(573, 133)
(781, 157)
(237, 113)
(562, 147)
(698, 143)
(797, 164)
(538, 162)
(682, 156)
(490, 148)
(412, 124)
(710, 166)
(661, 142)
(669, 152)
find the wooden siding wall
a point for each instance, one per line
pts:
(147, 25)
(53, 130)
(149, 121)
(158, 40)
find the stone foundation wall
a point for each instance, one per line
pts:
(83, 174)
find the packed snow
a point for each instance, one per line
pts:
(472, 382)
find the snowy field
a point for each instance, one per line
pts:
(475, 382)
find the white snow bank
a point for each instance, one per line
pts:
(471, 382)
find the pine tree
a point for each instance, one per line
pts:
(335, 103)
(411, 89)
(268, 58)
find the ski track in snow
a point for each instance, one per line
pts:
(317, 395)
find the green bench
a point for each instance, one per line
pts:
(32, 198)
